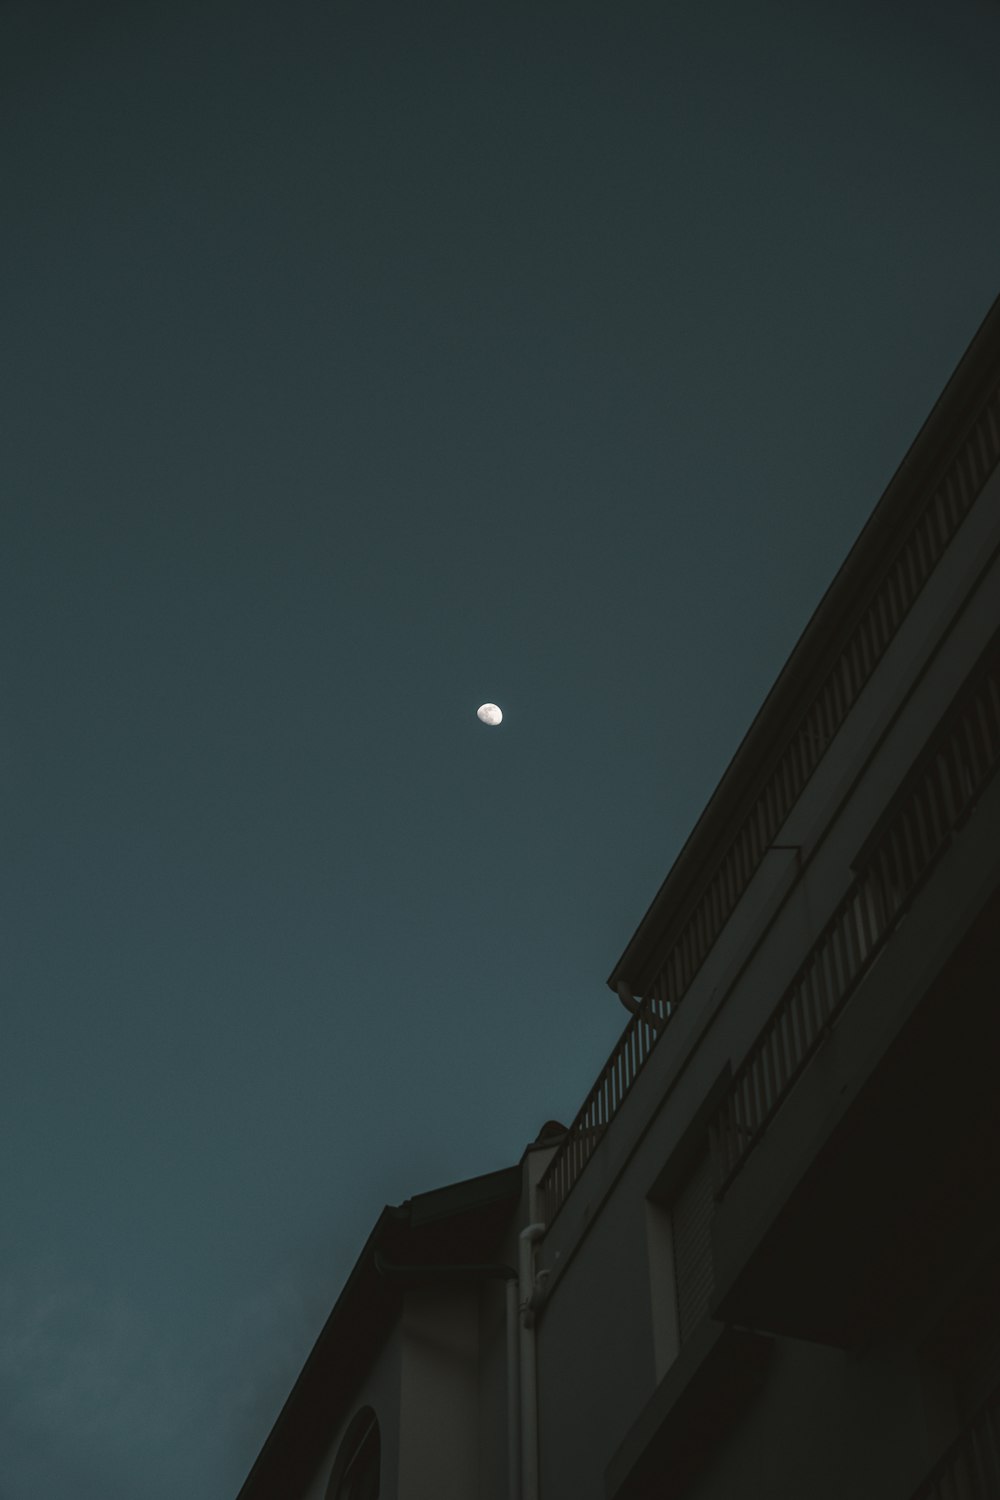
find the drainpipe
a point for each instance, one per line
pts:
(513, 1394)
(528, 1294)
(624, 992)
(640, 1008)
(508, 1275)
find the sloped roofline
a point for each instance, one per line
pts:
(459, 1222)
(838, 611)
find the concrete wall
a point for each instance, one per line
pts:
(827, 1425)
(492, 1410)
(439, 1412)
(439, 1384)
(380, 1390)
(596, 1356)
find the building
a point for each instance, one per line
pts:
(764, 1259)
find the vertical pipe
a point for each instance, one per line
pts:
(513, 1393)
(529, 1373)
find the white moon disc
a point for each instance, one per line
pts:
(489, 713)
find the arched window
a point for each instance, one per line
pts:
(359, 1460)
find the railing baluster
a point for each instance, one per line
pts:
(844, 949)
(952, 782)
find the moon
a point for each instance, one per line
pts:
(489, 713)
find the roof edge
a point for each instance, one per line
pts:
(842, 603)
(295, 1443)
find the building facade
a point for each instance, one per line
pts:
(764, 1258)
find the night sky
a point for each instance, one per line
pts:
(364, 362)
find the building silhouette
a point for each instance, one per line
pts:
(764, 1259)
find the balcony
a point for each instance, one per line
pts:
(861, 1136)
(891, 564)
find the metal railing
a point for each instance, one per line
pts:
(948, 778)
(903, 578)
(970, 1470)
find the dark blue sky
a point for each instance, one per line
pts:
(363, 362)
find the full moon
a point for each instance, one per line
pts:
(489, 713)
